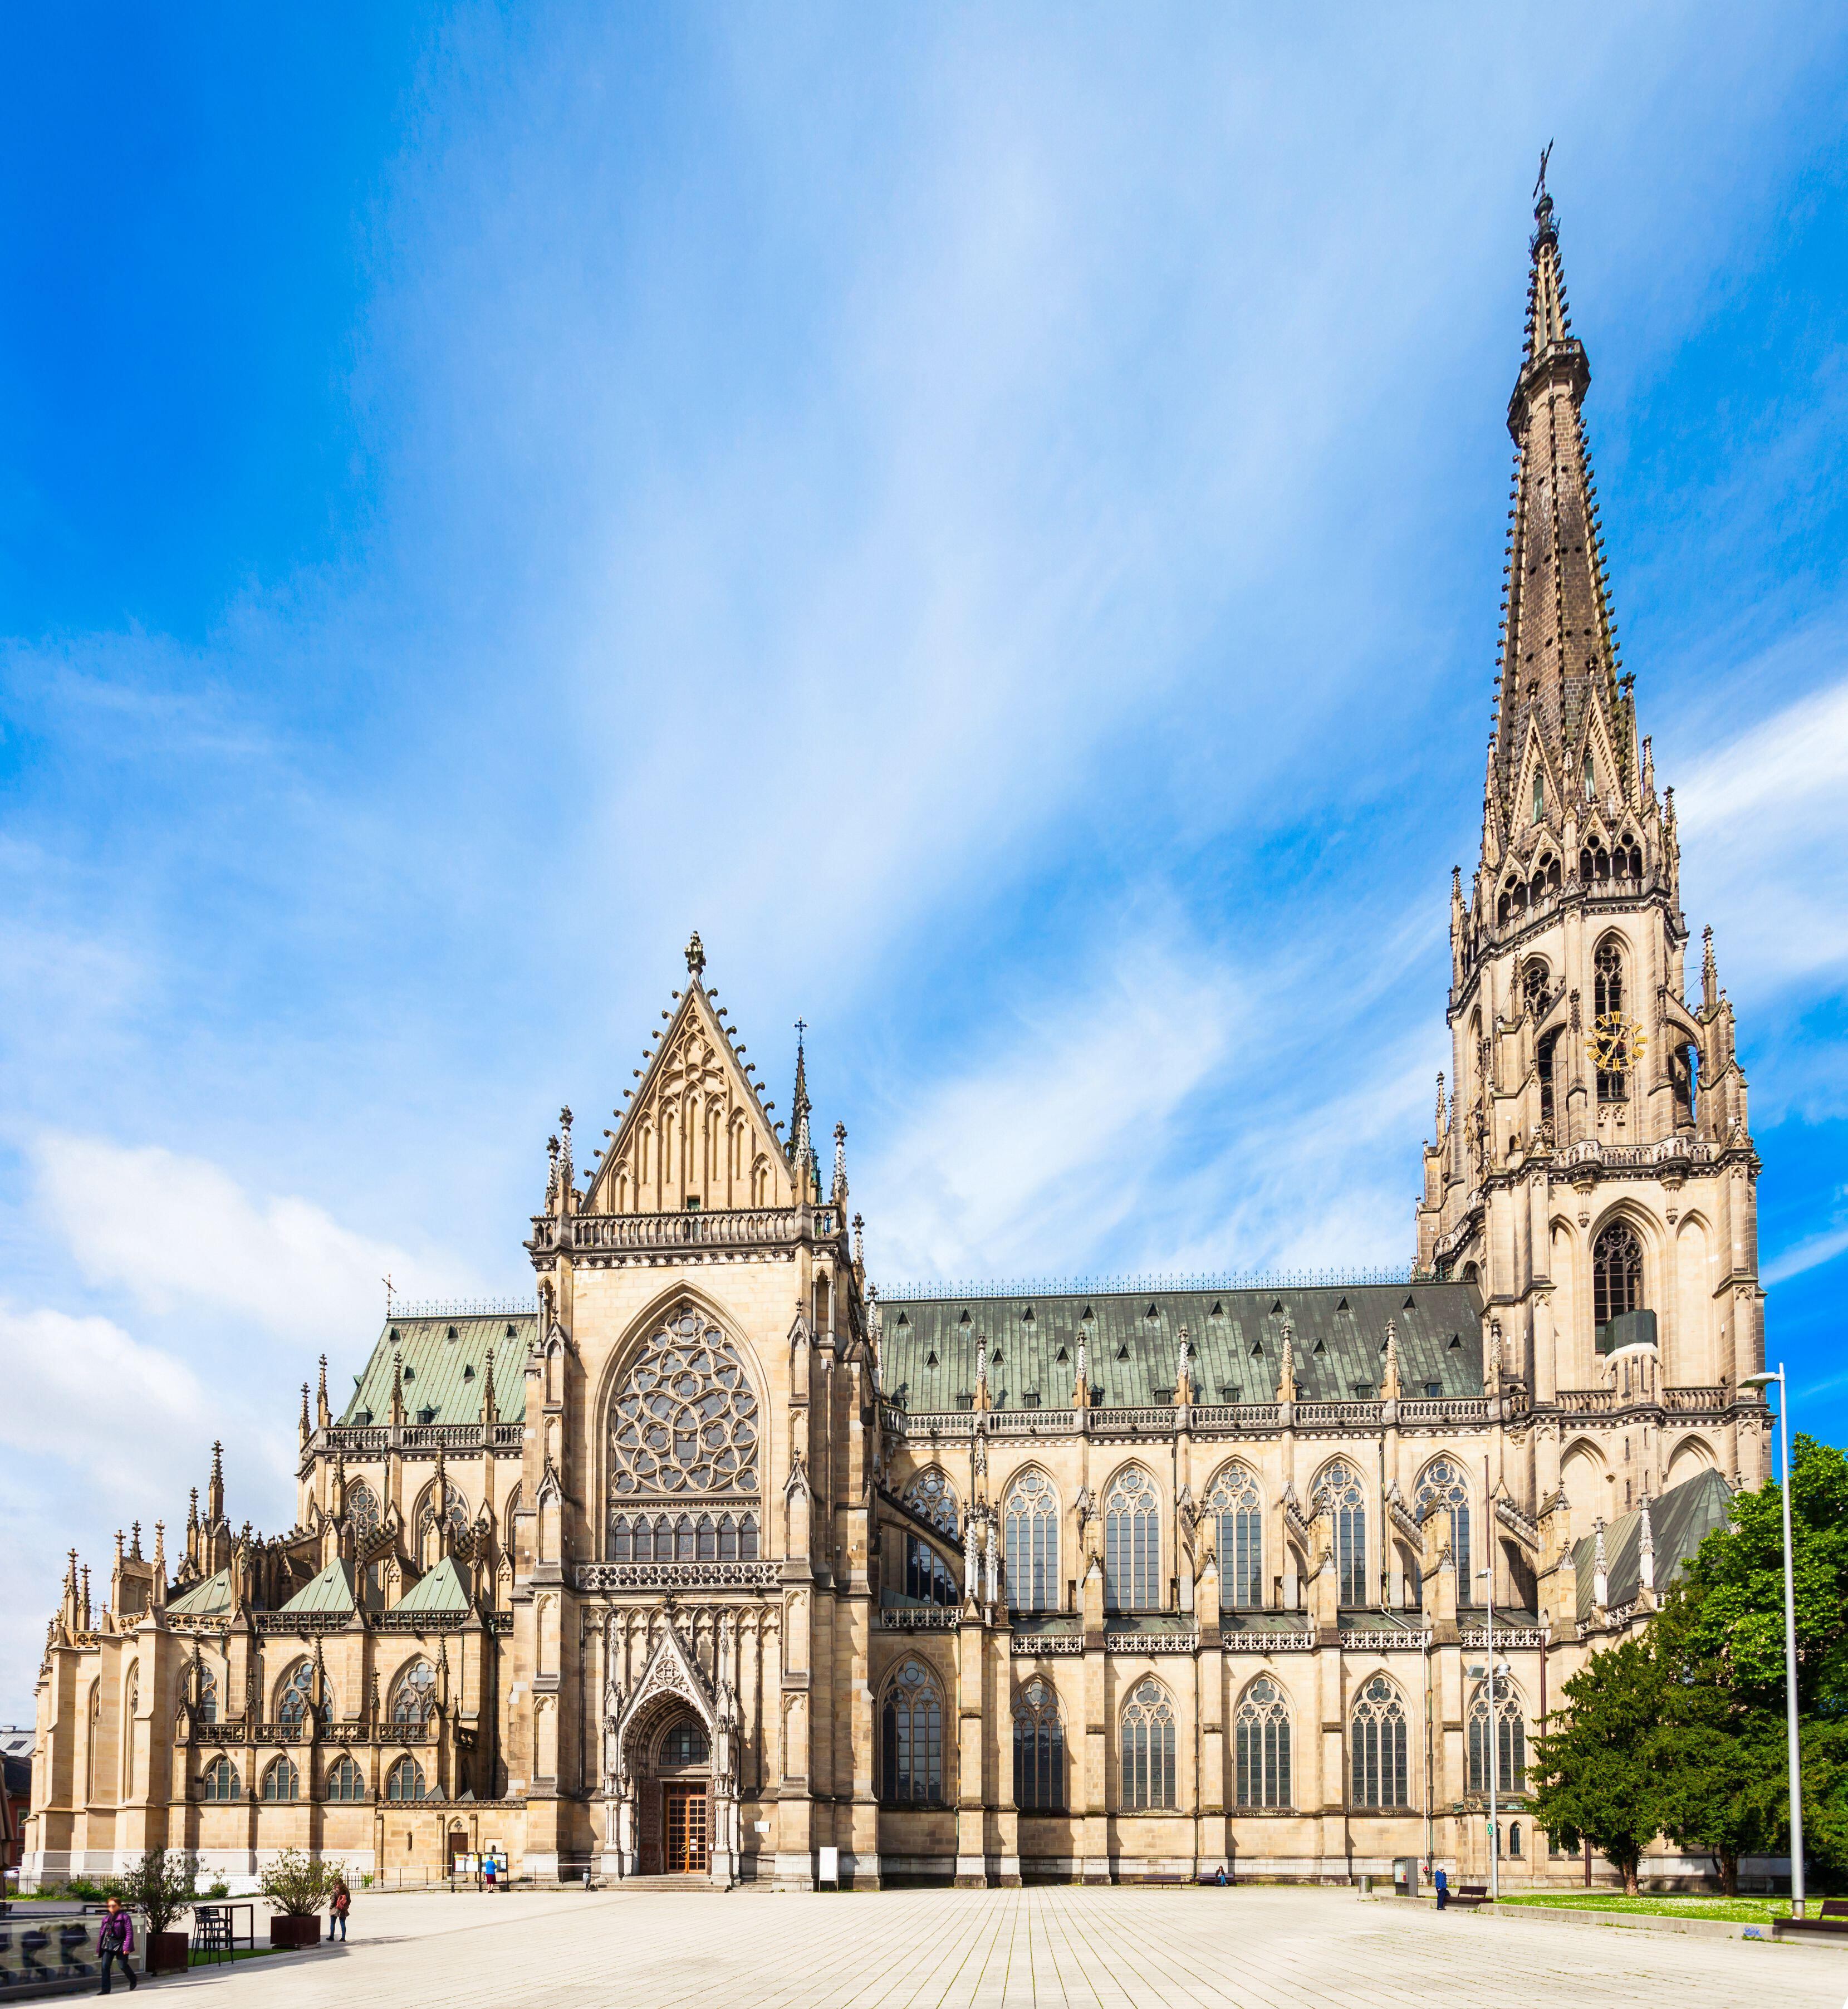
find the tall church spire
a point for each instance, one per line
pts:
(1562, 725)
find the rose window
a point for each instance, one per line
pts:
(685, 1420)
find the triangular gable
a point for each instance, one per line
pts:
(331, 1591)
(205, 1599)
(670, 1670)
(439, 1589)
(695, 1130)
(1534, 758)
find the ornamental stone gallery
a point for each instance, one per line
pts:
(716, 1561)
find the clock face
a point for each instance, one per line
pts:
(1616, 1043)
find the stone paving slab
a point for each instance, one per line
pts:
(1245, 1947)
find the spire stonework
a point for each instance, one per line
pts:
(1587, 1094)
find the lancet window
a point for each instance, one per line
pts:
(345, 1781)
(1607, 992)
(684, 1421)
(911, 1738)
(931, 1498)
(668, 1538)
(1132, 1543)
(282, 1781)
(1442, 1489)
(927, 1575)
(219, 1780)
(685, 1744)
(1262, 1746)
(414, 1696)
(1148, 1748)
(1616, 1273)
(1511, 1743)
(205, 1706)
(1238, 1508)
(1039, 1748)
(404, 1781)
(1032, 1544)
(1340, 1492)
(1377, 1766)
(361, 1512)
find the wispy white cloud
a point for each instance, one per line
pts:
(172, 1233)
(83, 1390)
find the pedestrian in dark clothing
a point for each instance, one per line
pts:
(338, 1905)
(116, 1941)
(1443, 1889)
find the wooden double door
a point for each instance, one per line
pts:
(688, 1850)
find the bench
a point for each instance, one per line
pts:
(1832, 1917)
(1469, 1894)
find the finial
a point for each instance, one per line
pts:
(386, 1279)
(1440, 1102)
(859, 1242)
(840, 1165)
(135, 1541)
(1540, 194)
(696, 955)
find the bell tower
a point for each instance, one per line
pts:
(1593, 1171)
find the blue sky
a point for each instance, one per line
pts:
(995, 516)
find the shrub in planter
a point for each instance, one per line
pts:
(299, 1889)
(159, 1886)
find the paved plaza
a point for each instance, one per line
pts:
(1269, 1948)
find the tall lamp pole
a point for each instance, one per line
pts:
(1796, 1756)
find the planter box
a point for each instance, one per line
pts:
(166, 1952)
(287, 1932)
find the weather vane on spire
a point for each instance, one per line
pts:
(1540, 184)
(386, 1279)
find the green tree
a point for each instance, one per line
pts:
(1593, 1779)
(295, 1884)
(159, 1886)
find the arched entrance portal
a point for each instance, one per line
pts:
(677, 1807)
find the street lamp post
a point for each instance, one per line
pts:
(1796, 1756)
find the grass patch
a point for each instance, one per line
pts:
(1736, 1911)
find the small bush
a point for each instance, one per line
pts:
(296, 1885)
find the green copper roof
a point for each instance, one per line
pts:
(445, 1364)
(1338, 1343)
(439, 1589)
(1679, 1522)
(206, 1598)
(331, 1591)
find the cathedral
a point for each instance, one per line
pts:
(714, 1560)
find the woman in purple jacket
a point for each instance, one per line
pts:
(116, 1941)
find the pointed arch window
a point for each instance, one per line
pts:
(404, 1781)
(1607, 992)
(685, 1744)
(1262, 1746)
(1237, 1508)
(361, 1512)
(1377, 1749)
(685, 1419)
(282, 1781)
(414, 1694)
(911, 1738)
(294, 1700)
(1038, 1749)
(931, 1498)
(1511, 1743)
(206, 1708)
(1616, 1274)
(1132, 1543)
(1339, 1491)
(927, 1576)
(1147, 1778)
(1032, 1534)
(1442, 1489)
(219, 1780)
(346, 1784)
(1539, 796)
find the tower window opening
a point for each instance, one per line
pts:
(1607, 995)
(1539, 796)
(1543, 1067)
(1535, 987)
(1616, 1274)
(1589, 780)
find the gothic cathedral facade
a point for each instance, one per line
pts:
(716, 1561)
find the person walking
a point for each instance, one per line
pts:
(1444, 1889)
(489, 1870)
(339, 1903)
(116, 1941)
